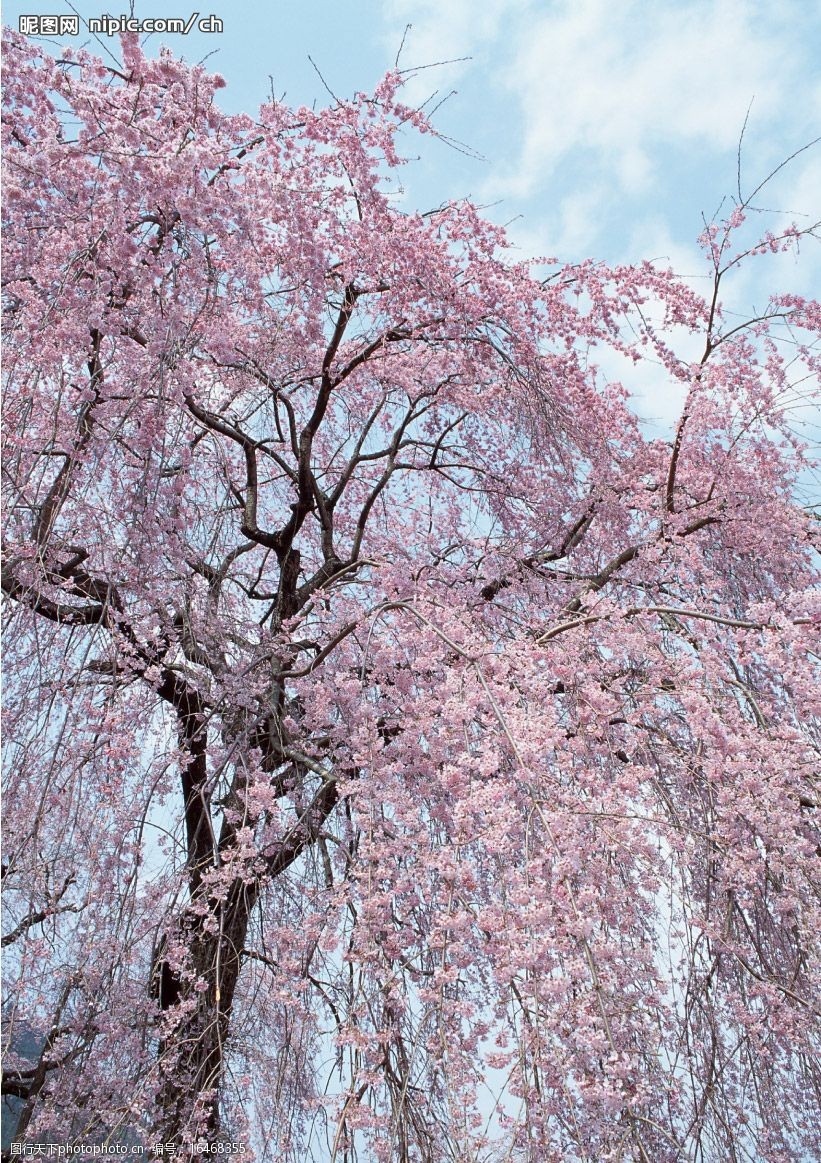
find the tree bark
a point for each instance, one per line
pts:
(192, 1051)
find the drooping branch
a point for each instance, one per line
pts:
(61, 487)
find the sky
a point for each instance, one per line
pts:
(603, 128)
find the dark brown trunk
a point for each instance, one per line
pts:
(192, 1054)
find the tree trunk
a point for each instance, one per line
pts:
(192, 1053)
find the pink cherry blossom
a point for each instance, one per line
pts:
(408, 756)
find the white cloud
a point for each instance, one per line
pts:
(599, 102)
(621, 81)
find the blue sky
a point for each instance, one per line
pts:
(602, 128)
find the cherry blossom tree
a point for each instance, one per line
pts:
(409, 756)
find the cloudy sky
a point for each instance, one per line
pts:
(606, 128)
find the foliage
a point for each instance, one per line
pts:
(409, 757)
